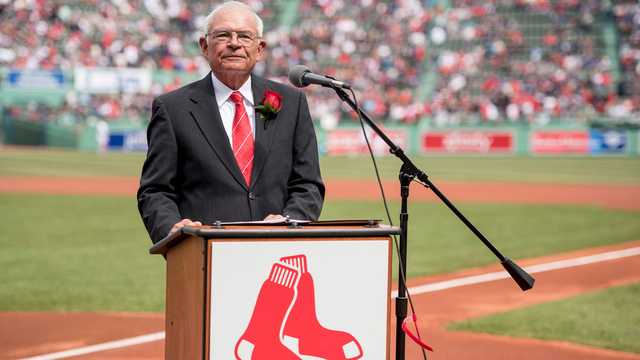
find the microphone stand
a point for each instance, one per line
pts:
(410, 172)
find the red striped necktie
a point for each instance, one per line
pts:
(242, 138)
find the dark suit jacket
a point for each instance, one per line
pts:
(190, 171)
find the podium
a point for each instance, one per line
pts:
(314, 289)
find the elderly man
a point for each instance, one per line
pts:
(232, 146)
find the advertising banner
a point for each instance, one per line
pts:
(468, 142)
(299, 299)
(112, 80)
(559, 142)
(128, 141)
(352, 142)
(35, 79)
(606, 141)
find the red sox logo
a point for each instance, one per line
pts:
(285, 308)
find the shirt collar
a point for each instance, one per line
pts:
(223, 92)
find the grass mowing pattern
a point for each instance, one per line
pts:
(618, 170)
(29, 162)
(607, 319)
(576, 170)
(91, 253)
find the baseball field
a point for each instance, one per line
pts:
(78, 282)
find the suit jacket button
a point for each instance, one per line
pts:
(252, 196)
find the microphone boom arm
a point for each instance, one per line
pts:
(519, 275)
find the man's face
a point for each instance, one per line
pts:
(231, 46)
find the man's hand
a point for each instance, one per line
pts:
(183, 223)
(275, 218)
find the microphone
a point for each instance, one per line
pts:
(301, 76)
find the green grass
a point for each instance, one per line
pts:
(619, 170)
(35, 162)
(76, 253)
(607, 319)
(91, 253)
(522, 169)
(440, 243)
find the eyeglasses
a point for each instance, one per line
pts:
(225, 36)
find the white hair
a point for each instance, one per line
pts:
(234, 5)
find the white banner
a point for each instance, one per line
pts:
(112, 80)
(35, 79)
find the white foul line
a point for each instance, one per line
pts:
(421, 289)
(498, 275)
(101, 347)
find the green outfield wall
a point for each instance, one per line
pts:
(555, 140)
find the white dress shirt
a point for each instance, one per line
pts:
(228, 108)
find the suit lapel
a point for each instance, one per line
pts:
(204, 111)
(264, 132)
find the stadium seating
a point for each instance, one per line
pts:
(447, 62)
(627, 18)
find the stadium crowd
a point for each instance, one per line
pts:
(379, 47)
(57, 35)
(627, 15)
(407, 59)
(78, 109)
(502, 70)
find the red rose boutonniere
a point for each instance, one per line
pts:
(270, 105)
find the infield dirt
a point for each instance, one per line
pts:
(613, 196)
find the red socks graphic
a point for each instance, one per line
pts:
(281, 311)
(302, 324)
(262, 338)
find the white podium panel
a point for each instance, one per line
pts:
(299, 299)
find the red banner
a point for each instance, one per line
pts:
(351, 141)
(468, 141)
(559, 142)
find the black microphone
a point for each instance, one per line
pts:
(301, 76)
